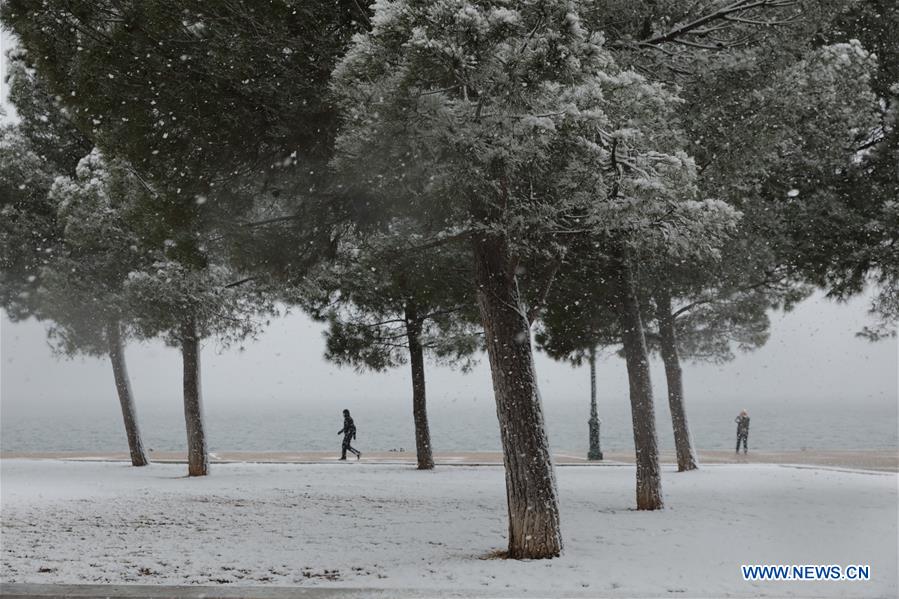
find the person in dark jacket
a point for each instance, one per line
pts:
(349, 433)
(742, 430)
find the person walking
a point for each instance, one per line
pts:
(349, 433)
(742, 430)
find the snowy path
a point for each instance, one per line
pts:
(886, 460)
(390, 526)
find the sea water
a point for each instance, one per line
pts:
(456, 425)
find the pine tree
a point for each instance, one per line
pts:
(226, 102)
(387, 305)
(65, 247)
(199, 168)
(514, 128)
(579, 320)
(185, 304)
(82, 289)
(781, 82)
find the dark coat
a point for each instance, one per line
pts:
(349, 428)
(742, 425)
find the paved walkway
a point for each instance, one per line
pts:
(882, 460)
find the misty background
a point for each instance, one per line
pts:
(813, 385)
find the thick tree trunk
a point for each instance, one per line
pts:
(126, 399)
(419, 404)
(683, 440)
(649, 481)
(594, 453)
(533, 505)
(197, 456)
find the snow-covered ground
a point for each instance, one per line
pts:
(390, 526)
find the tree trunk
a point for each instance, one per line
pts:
(197, 457)
(594, 453)
(683, 440)
(419, 404)
(532, 498)
(126, 399)
(649, 482)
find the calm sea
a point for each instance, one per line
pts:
(455, 426)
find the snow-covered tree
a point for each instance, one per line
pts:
(712, 313)
(789, 84)
(28, 228)
(185, 304)
(857, 226)
(513, 127)
(229, 124)
(788, 120)
(445, 103)
(83, 288)
(178, 116)
(71, 236)
(174, 88)
(578, 322)
(387, 305)
(693, 232)
(64, 243)
(42, 145)
(810, 105)
(700, 312)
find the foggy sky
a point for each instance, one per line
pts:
(812, 357)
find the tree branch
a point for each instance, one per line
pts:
(725, 13)
(268, 221)
(534, 311)
(430, 244)
(769, 280)
(240, 282)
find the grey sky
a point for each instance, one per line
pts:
(812, 356)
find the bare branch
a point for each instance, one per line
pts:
(372, 325)
(269, 221)
(534, 311)
(769, 280)
(240, 282)
(732, 13)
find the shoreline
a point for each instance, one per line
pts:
(881, 460)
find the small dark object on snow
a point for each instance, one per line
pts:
(742, 430)
(349, 433)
